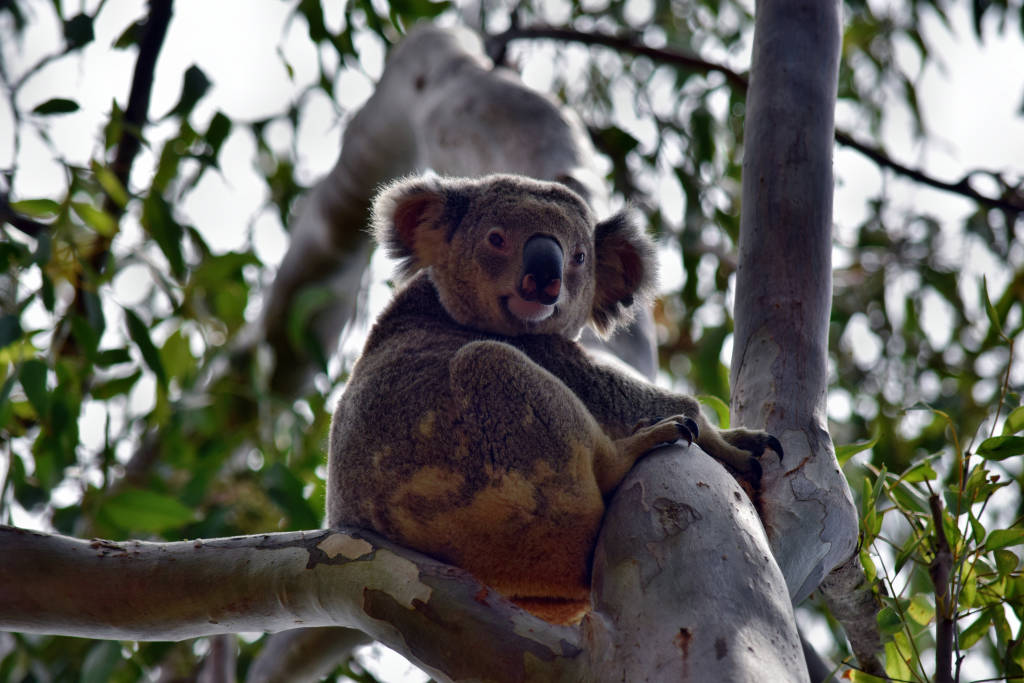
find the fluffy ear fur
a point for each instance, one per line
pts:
(626, 271)
(406, 216)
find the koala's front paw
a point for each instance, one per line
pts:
(669, 429)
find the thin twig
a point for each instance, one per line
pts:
(1012, 203)
(939, 570)
(136, 112)
(685, 60)
(134, 119)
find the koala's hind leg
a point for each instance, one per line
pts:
(536, 509)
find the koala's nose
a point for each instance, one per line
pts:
(541, 278)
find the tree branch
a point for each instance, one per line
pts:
(496, 45)
(435, 613)
(1012, 201)
(304, 654)
(137, 110)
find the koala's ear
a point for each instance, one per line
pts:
(407, 217)
(626, 271)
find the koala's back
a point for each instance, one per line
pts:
(427, 467)
(391, 418)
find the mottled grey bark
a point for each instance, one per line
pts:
(782, 305)
(784, 284)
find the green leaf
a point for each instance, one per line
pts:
(78, 31)
(108, 357)
(1006, 561)
(139, 333)
(217, 133)
(111, 184)
(130, 36)
(921, 609)
(194, 86)
(159, 222)
(285, 489)
(977, 528)
(968, 586)
(177, 356)
(418, 9)
(1014, 421)
(896, 664)
(922, 471)
(720, 407)
(147, 511)
(306, 304)
(57, 105)
(107, 389)
(973, 633)
(844, 453)
(99, 664)
(889, 621)
(993, 316)
(37, 208)
(1004, 538)
(97, 219)
(314, 14)
(33, 381)
(1001, 447)
(86, 335)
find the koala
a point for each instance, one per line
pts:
(474, 428)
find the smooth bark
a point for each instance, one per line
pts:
(784, 284)
(782, 306)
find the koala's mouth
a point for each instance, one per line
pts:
(531, 312)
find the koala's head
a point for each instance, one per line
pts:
(512, 255)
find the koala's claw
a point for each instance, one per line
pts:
(775, 445)
(688, 429)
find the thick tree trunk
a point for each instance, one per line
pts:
(784, 284)
(783, 300)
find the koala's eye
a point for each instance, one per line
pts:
(496, 239)
(579, 257)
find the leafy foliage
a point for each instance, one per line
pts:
(133, 405)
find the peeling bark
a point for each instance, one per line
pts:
(436, 614)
